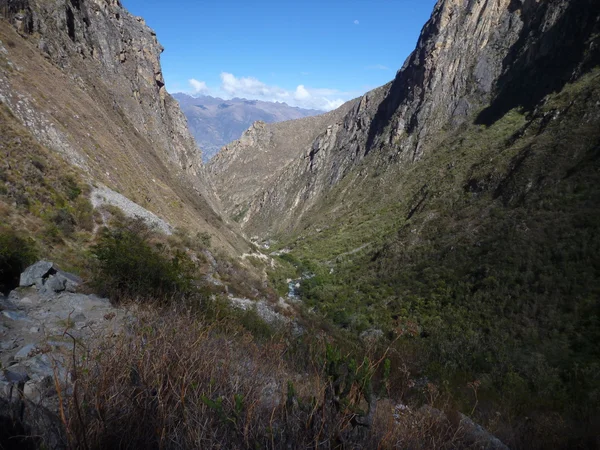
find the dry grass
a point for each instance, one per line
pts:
(174, 380)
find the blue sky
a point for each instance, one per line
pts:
(314, 54)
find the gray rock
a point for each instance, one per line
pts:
(16, 315)
(32, 391)
(35, 274)
(5, 389)
(71, 281)
(24, 352)
(41, 366)
(25, 301)
(48, 279)
(15, 374)
(6, 345)
(54, 283)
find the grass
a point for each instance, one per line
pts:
(484, 256)
(210, 384)
(42, 196)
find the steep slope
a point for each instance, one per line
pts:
(215, 122)
(85, 79)
(468, 55)
(244, 167)
(455, 212)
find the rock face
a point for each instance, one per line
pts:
(471, 56)
(242, 169)
(98, 40)
(215, 122)
(84, 77)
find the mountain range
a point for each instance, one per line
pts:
(215, 122)
(419, 268)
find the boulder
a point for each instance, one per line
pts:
(36, 274)
(48, 279)
(14, 375)
(70, 281)
(24, 352)
(54, 283)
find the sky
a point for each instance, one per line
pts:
(310, 54)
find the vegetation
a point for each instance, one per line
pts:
(483, 258)
(43, 197)
(129, 265)
(16, 254)
(185, 381)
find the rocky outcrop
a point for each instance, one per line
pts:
(84, 77)
(98, 41)
(242, 169)
(472, 56)
(48, 278)
(42, 324)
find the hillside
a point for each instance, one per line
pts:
(443, 83)
(455, 209)
(85, 79)
(215, 122)
(416, 269)
(243, 167)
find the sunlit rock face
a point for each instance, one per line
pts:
(473, 57)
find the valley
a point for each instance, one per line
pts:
(417, 268)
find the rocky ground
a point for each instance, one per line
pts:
(44, 324)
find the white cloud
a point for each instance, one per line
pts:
(198, 87)
(250, 87)
(302, 96)
(253, 89)
(377, 67)
(301, 93)
(356, 22)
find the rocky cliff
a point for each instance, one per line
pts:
(84, 76)
(259, 158)
(483, 57)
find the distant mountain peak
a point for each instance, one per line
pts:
(215, 122)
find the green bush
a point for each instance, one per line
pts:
(16, 253)
(128, 265)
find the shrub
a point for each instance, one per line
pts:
(204, 238)
(229, 390)
(129, 265)
(16, 253)
(64, 221)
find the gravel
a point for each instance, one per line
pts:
(104, 196)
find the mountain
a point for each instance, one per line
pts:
(215, 122)
(425, 252)
(456, 209)
(84, 78)
(402, 121)
(274, 146)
